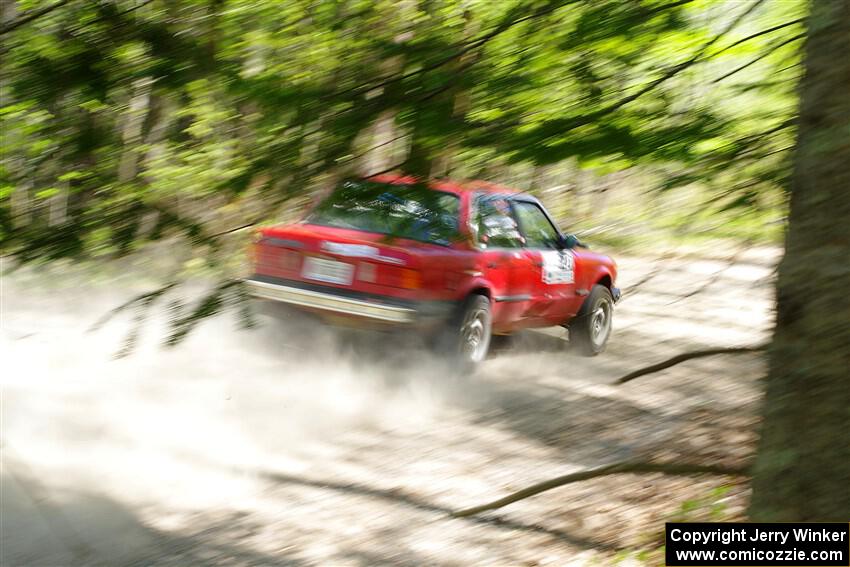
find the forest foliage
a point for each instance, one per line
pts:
(131, 121)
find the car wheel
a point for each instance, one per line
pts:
(466, 341)
(591, 327)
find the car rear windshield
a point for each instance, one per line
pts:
(402, 211)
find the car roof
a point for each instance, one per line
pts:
(443, 184)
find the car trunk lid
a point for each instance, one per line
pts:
(338, 257)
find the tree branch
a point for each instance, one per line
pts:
(248, 224)
(506, 24)
(685, 356)
(386, 170)
(758, 34)
(681, 66)
(575, 122)
(144, 300)
(773, 152)
(674, 469)
(761, 136)
(628, 292)
(259, 218)
(32, 15)
(731, 261)
(770, 50)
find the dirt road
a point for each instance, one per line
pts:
(276, 447)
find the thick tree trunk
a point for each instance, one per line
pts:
(802, 469)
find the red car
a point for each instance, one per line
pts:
(456, 261)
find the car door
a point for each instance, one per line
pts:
(553, 281)
(503, 261)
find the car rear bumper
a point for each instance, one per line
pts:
(330, 302)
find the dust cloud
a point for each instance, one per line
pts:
(292, 444)
(183, 426)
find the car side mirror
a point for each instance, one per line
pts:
(568, 241)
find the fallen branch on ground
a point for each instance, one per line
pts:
(679, 358)
(617, 468)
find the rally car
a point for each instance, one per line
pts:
(455, 261)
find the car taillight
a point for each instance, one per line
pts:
(392, 276)
(410, 279)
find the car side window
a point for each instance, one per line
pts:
(495, 226)
(535, 225)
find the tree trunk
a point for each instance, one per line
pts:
(381, 152)
(802, 470)
(131, 134)
(57, 208)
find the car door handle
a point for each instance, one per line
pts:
(491, 264)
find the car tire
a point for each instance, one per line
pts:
(466, 339)
(591, 328)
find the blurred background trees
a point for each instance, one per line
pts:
(128, 121)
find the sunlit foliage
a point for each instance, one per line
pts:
(125, 121)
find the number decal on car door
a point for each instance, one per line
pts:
(558, 267)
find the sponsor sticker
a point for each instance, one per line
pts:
(558, 267)
(354, 250)
(358, 251)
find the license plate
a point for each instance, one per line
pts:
(329, 271)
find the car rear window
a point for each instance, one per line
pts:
(403, 211)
